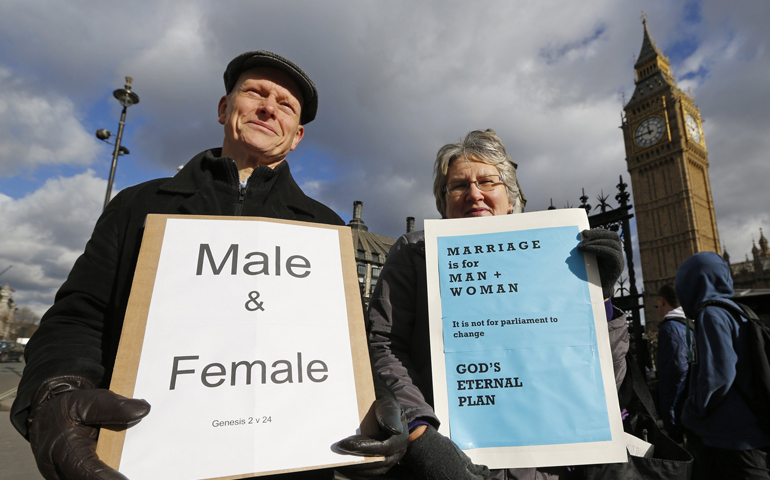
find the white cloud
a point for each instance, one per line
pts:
(39, 128)
(45, 232)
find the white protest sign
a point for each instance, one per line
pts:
(246, 356)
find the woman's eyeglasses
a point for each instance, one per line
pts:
(485, 184)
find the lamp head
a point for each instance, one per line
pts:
(125, 96)
(103, 134)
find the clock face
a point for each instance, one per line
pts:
(650, 131)
(692, 128)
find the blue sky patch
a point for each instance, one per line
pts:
(692, 13)
(552, 54)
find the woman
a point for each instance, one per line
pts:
(474, 178)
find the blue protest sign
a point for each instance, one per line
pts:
(524, 357)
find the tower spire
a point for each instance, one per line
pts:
(764, 251)
(649, 49)
(651, 62)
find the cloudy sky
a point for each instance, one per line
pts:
(397, 80)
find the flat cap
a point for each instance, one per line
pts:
(263, 58)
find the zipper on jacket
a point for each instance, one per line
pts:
(241, 200)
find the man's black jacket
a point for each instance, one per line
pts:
(79, 335)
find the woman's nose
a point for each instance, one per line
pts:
(474, 191)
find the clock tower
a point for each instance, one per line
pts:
(668, 162)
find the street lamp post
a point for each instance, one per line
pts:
(126, 98)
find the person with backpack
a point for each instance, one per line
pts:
(672, 356)
(723, 433)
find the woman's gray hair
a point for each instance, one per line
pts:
(478, 146)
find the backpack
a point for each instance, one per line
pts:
(758, 395)
(670, 461)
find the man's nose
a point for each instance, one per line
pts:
(268, 106)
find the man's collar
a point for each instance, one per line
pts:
(209, 166)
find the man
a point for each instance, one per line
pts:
(62, 398)
(723, 434)
(672, 356)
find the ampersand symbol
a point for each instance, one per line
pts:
(253, 296)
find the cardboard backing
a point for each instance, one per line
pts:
(110, 445)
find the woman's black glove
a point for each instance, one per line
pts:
(64, 423)
(435, 457)
(608, 249)
(390, 442)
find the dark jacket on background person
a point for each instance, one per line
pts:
(398, 330)
(671, 363)
(79, 334)
(714, 409)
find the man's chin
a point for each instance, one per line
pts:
(262, 146)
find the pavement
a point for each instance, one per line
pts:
(15, 455)
(6, 400)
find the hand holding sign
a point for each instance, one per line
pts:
(64, 421)
(609, 256)
(390, 443)
(434, 456)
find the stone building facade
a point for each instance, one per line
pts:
(7, 310)
(371, 250)
(755, 273)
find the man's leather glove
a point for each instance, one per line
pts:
(390, 443)
(65, 417)
(435, 457)
(608, 249)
